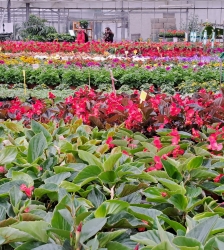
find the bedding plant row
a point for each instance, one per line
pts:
(144, 48)
(75, 187)
(169, 79)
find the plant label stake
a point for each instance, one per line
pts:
(222, 59)
(89, 80)
(24, 78)
(143, 96)
(112, 81)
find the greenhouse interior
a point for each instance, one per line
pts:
(129, 19)
(111, 125)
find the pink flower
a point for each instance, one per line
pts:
(218, 178)
(164, 194)
(108, 142)
(195, 133)
(158, 163)
(26, 210)
(51, 95)
(2, 170)
(213, 143)
(157, 142)
(142, 229)
(27, 190)
(39, 168)
(174, 110)
(125, 152)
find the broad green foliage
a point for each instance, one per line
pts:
(66, 187)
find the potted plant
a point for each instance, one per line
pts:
(84, 24)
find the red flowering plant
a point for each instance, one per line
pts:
(144, 48)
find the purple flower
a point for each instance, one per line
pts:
(2, 62)
(50, 62)
(168, 68)
(185, 66)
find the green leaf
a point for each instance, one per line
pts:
(144, 213)
(219, 189)
(216, 242)
(172, 186)
(185, 243)
(86, 175)
(119, 143)
(37, 229)
(196, 162)
(109, 164)
(7, 155)
(116, 245)
(201, 152)
(164, 245)
(69, 186)
(124, 220)
(36, 147)
(179, 201)
(48, 188)
(193, 191)
(62, 233)
(57, 178)
(4, 188)
(96, 197)
(90, 158)
(127, 189)
(2, 213)
(15, 196)
(14, 235)
(22, 176)
(29, 245)
(166, 150)
(104, 238)
(91, 227)
(108, 177)
(201, 231)
(171, 170)
(149, 238)
(16, 127)
(174, 224)
(62, 220)
(110, 207)
(38, 128)
(49, 246)
(150, 147)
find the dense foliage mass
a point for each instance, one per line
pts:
(74, 187)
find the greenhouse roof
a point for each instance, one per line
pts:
(109, 4)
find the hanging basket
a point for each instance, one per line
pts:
(84, 24)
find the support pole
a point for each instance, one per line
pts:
(9, 11)
(27, 11)
(59, 21)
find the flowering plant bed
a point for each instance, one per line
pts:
(105, 110)
(143, 48)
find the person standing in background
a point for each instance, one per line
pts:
(80, 35)
(108, 35)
